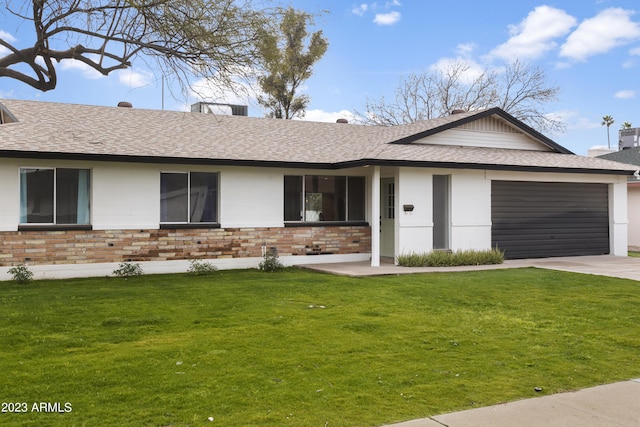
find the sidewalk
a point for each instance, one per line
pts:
(612, 405)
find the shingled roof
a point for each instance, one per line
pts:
(68, 131)
(629, 156)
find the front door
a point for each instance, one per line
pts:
(387, 217)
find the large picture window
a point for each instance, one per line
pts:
(54, 196)
(317, 198)
(189, 197)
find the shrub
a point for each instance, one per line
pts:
(451, 259)
(201, 268)
(21, 273)
(128, 269)
(271, 263)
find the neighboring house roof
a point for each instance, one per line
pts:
(629, 156)
(68, 131)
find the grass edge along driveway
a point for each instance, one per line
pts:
(302, 348)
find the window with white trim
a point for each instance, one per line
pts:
(317, 198)
(188, 197)
(55, 196)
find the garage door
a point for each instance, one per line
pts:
(545, 219)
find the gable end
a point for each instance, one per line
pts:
(6, 116)
(517, 127)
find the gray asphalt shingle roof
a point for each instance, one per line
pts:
(629, 156)
(109, 133)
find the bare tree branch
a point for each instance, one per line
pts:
(520, 89)
(185, 38)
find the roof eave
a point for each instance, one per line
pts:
(301, 165)
(161, 160)
(480, 166)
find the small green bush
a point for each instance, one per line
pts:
(271, 263)
(128, 269)
(451, 259)
(201, 268)
(21, 273)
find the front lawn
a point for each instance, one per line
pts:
(300, 348)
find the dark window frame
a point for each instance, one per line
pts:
(68, 198)
(301, 191)
(208, 208)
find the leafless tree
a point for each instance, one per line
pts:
(184, 38)
(519, 89)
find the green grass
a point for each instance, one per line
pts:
(299, 348)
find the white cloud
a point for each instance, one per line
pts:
(625, 94)
(360, 10)
(534, 36)
(7, 37)
(635, 51)
(75, 65)
(212, 90)
(134, 79)
(474, 70)
(610, 28)
(465, 49)
(326, 116)
(387, 18)
(576, 122)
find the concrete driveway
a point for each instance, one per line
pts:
(603, 265)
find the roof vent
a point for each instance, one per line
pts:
(125, 104)
(458, 112)
(342, 121)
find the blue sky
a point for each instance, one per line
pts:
(589, 48)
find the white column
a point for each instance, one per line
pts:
(375, 217)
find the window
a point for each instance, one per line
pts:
(314, 198)
(54, 196)
(441, 184)
(189, 197)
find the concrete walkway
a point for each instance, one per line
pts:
(604, 265)
(611, 405)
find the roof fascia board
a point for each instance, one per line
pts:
(300, 165)
(161, 160)
(480, 115)
(478, 166)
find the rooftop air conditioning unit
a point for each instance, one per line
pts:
(220, 108)
(628, 138)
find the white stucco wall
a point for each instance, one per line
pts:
(251, 197)
(9, 194)
(127, 195)
(470, 210)
(414, 231)
(633, 214)
(618, 219)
